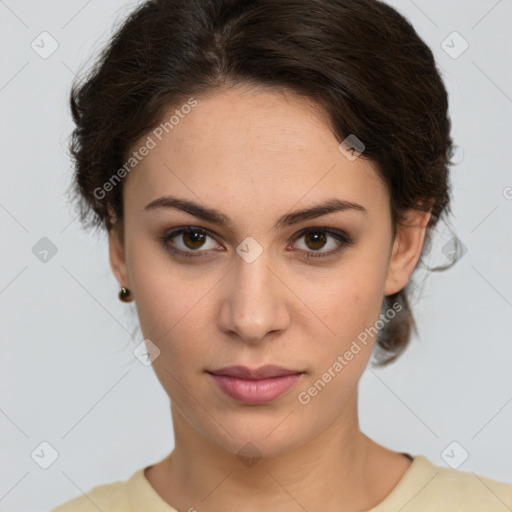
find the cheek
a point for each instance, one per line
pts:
(172, 320)
(162, 296)
(157, 309)
(348, 301)
(350, 306)
(174, 312)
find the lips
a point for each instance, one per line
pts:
(255, 386)
(263, 372)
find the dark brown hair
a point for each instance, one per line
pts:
(360, 61)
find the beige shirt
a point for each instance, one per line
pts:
(423, 487)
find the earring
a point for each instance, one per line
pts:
(125, 295)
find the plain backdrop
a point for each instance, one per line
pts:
(68, 376)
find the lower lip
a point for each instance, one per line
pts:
(255, 391)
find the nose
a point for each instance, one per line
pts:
(254, 301)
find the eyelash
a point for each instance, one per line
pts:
(345, 241)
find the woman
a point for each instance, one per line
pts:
(269, 174)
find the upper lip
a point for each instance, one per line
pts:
(263, 372)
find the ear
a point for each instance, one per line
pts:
(406, 250)
(117, 257)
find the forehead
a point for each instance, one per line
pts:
(251, 145)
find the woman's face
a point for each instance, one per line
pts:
(244, 291)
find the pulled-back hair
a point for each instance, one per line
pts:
(360, 61)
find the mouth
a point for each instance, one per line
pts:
(263, 372)
(255, 386)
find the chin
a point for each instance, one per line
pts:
(260, 439)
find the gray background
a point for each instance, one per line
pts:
(68, 375)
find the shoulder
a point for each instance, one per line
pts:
(110, 497)
(427, 486)
(474, 491)
(131, 495)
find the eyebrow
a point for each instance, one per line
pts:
(289, 219)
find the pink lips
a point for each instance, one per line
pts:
(255, 386)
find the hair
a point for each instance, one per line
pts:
(359, 61)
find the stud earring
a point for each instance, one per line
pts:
(125, 295)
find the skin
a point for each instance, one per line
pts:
(256, 154)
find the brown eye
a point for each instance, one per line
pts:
(189, 241)
(322, 242)
(315, 240)
(193, 239)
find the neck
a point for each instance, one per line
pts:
(334, 471)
